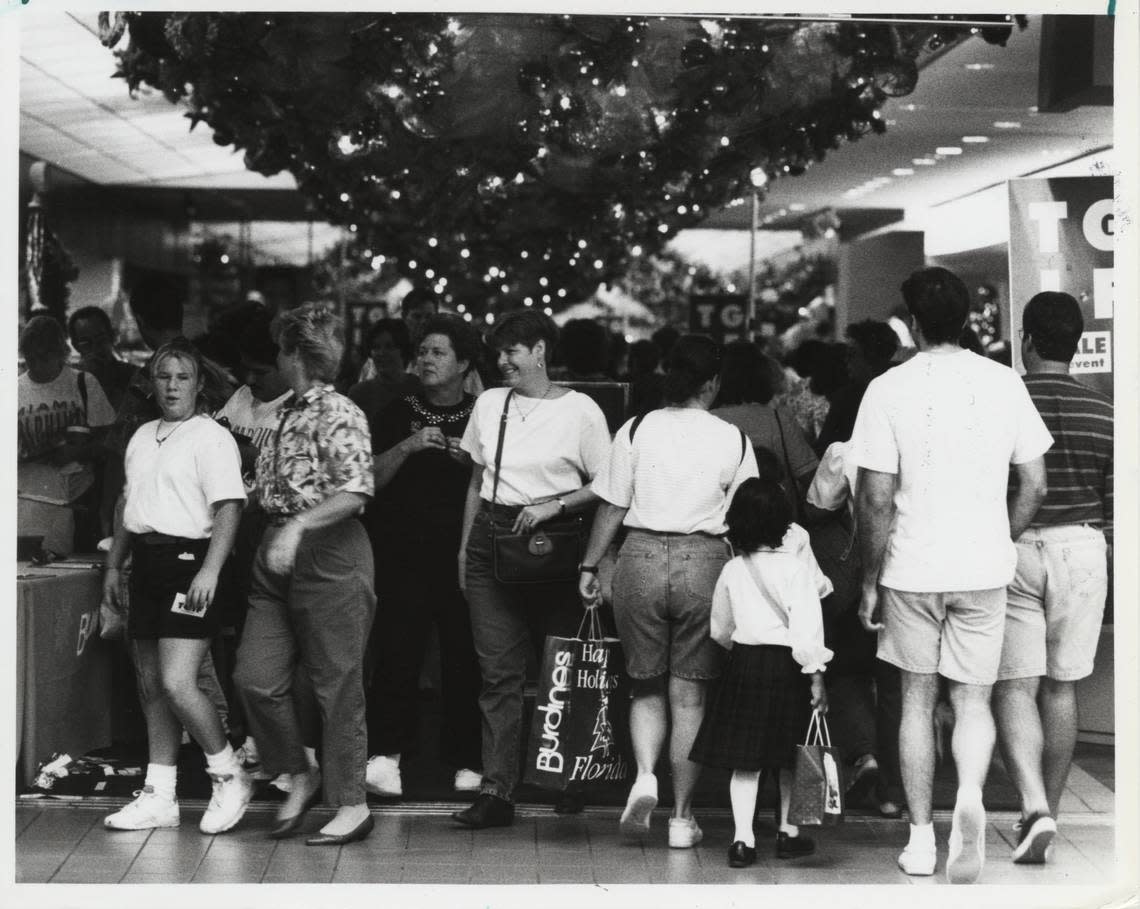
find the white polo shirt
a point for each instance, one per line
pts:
(172, 488)
(949, 425)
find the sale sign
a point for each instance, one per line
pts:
(1060, 238)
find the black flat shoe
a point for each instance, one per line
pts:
(288, 826)
(486, 811)
(359, 832)
(741, 856)
(793, 846)
(568, 803)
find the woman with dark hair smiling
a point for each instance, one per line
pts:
(669, 478)
(554, 441)
(311, 601)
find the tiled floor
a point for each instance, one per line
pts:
(66, 843)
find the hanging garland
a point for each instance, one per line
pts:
(500, 160)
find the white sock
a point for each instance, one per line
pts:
(311, 757)
(742, 789)
(921, 837)
(394, 758)
(162, 778)
(225, 761)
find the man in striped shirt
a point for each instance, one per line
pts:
(1056, 602)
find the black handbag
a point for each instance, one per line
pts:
(548, 554)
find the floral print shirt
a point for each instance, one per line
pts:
(322, 447)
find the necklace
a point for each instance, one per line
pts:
(177, 426)
(527, 413)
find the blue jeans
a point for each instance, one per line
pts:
(509, 622)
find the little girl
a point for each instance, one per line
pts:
(766, 612)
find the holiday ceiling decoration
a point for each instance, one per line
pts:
(506, 160)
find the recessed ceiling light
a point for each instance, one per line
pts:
(797, 206)
(975, 140)
(948, 150)
(903, 171)
(979, 67)
(1007, 124)
(924, 162)
(1033, 109)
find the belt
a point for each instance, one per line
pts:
(505, 511)
(676, 533)
(162, 539)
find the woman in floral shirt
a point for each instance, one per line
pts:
(311, 602)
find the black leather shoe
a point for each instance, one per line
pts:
(741, 856)
(486, 811)
(793, 846)
(288, 826)
(359, 832)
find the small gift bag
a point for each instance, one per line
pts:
(817, 785)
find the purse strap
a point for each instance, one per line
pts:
(788, 468)
(499, 453)
(754, 572)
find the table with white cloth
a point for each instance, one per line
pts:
(63, 667)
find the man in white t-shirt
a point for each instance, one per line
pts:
(934, 441)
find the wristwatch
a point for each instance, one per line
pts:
(587, 569)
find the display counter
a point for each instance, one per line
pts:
(63, 667)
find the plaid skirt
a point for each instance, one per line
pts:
(759, 711)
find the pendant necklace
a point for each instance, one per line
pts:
(526, 414)
(169, 434)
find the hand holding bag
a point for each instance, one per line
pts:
(549, 553)
(817, 785)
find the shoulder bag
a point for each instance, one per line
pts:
(551, 553)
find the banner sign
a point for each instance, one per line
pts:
(1060, 238)
(722, 317)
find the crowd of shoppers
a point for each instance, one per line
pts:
(372, 520)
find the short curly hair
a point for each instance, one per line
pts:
(314, 332)
(759, 515)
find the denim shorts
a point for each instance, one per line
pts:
(1055, 605)
(663, 587)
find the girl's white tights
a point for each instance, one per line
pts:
(742, 789)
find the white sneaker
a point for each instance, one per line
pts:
(639, 806)
(382, 776)
(232, 792)
(918, 862)
(147, 811)
(684, 832)
(967, 842)
(468, 780)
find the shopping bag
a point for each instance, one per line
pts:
(817, 786)
(578, 734)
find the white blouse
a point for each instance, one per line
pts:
(747, 612)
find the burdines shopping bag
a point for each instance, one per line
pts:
(578, 735)
(817, 784)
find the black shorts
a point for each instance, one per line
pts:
(160, 577)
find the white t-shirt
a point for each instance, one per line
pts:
(680, 472)
(949, 425)
(172, 488)
(558, 448)
(45, 410)
(252, 417)
(741, 615)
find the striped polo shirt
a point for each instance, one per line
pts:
(1079, 465)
